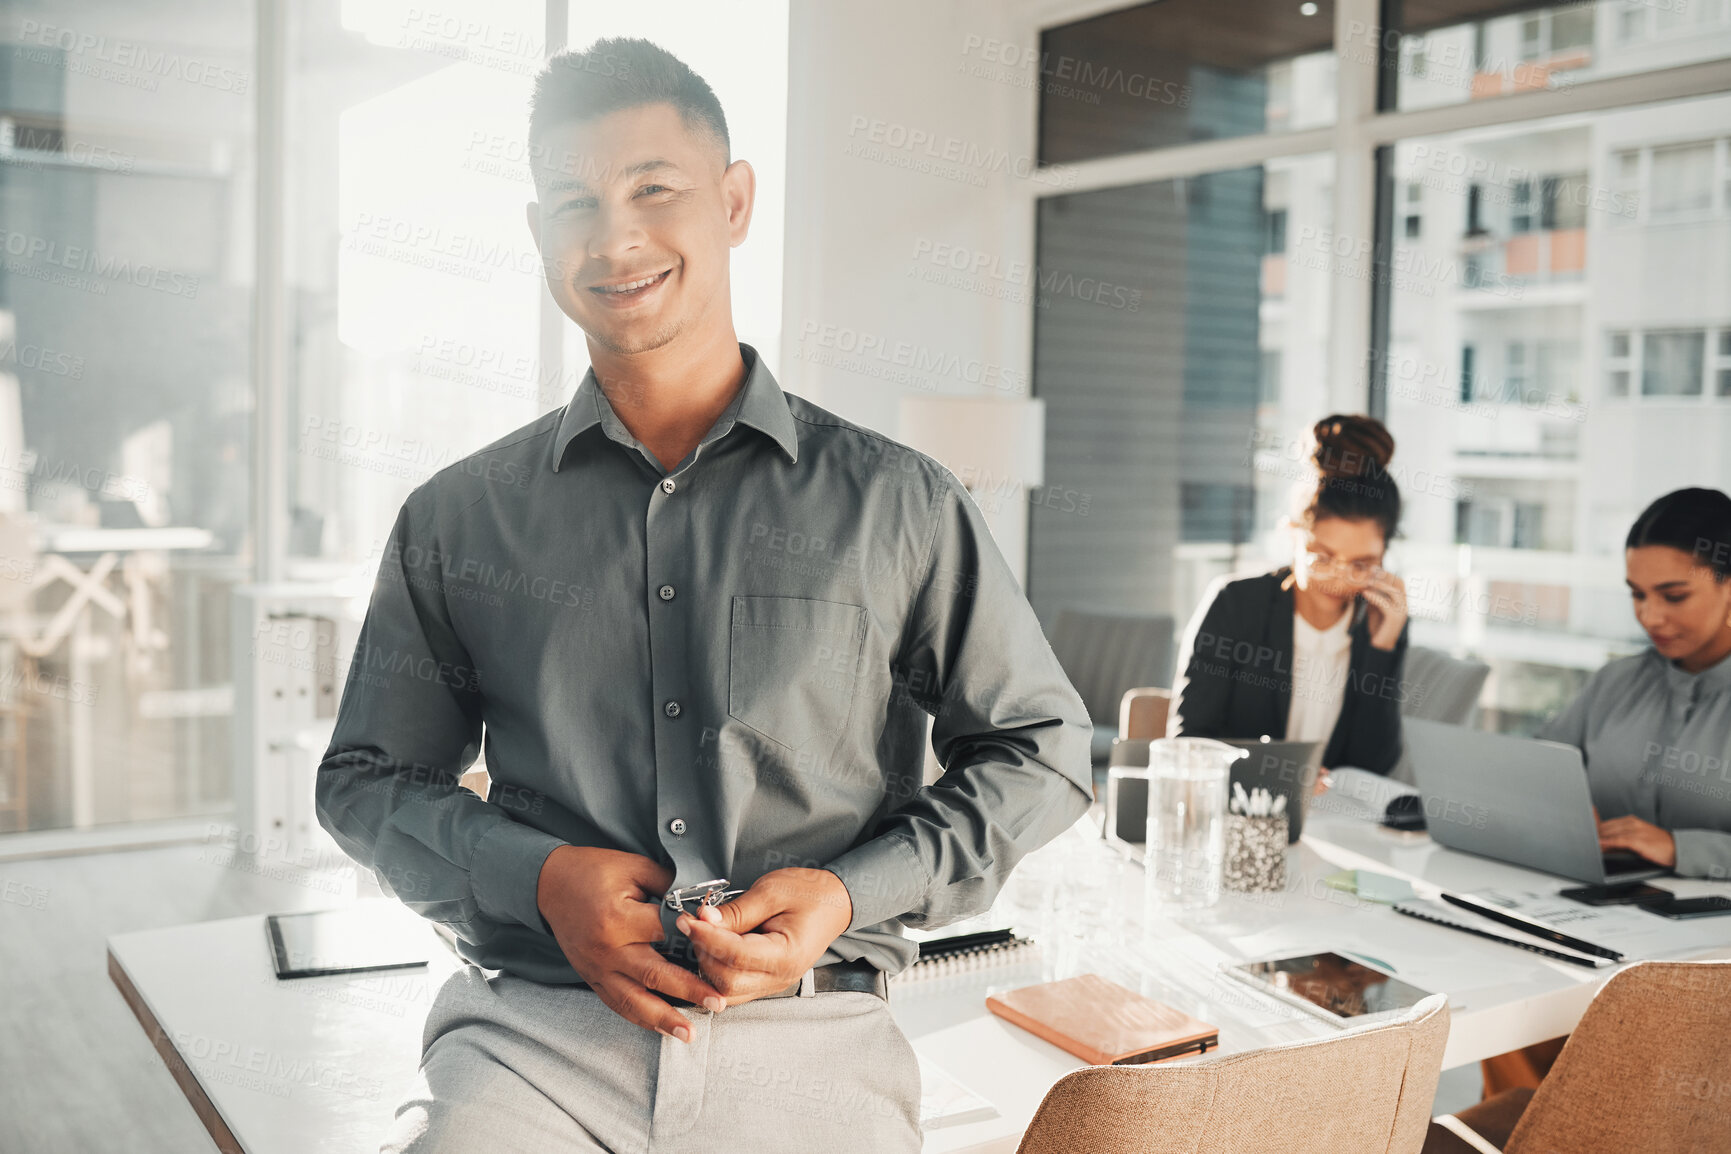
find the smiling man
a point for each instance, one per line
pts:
(701, 642)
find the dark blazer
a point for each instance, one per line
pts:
(1236, 679)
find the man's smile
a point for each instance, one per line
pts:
(630, 291)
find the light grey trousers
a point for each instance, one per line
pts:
(509, 1064)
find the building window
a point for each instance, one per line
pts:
(1274, 234)
(1268, 391)
(1682, 180)
(1468, 354)
(1617, 364)
(1564, 201)
(1671, 363)
(1521, 206)
(1515, 370)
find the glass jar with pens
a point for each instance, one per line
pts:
(1255, 856)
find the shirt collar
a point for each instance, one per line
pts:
(760, 404)
(1710, 680)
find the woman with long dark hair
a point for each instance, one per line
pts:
(1314, 650)
(1655, 728)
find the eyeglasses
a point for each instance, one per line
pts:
(1359, 570)
(709, 893)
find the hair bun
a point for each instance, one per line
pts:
(1348, 445)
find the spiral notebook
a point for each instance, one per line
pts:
(966, 953)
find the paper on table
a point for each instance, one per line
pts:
(945, 1101)
(1628, 929)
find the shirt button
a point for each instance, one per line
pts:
(676, 827)
(666, 592)
(668, 486)
(671, 709)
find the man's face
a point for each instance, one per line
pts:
(636, 215)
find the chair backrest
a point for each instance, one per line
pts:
(1440, 687)
(1105, 654)
(1437, 688)
(1363, 1091)
(1648, 1068)
(1143, 712)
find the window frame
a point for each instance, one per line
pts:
(1365, 124)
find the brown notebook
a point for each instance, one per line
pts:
(1103, 1023)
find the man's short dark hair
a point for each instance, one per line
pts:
(623, 73)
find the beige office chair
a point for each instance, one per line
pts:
(1647, 1069)
(1364, 1091)
(1142, 714)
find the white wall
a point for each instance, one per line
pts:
(855, 224)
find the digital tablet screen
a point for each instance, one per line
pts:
(368, 936)
(1339, 985)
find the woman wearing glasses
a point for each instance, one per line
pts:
(1312, 651)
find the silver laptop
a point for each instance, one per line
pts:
(1515, 799)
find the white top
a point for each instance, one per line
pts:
(1320, 660)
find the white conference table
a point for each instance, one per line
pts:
(318, 1064)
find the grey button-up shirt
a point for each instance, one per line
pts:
(1657, 741)
(726, 666)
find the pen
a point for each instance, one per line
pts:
(1528, 925)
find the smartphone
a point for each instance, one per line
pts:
(1627, 894)
(1707, 907)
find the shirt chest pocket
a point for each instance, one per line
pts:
(792, 667)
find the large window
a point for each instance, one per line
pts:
(417, 329)
(1454, 51)
(1177, 409)
(1155, 75)
(126, 145)
(1538, 306)
(1594, 323)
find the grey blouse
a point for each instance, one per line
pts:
(1657, 742)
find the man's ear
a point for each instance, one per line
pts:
(739, 194)
(532, 213)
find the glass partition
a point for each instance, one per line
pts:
(126, 284)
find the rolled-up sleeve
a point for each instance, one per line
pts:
(409, 724)
(1009, 730)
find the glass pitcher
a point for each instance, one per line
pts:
(1187, 788)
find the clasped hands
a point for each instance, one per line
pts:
(604, 907)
